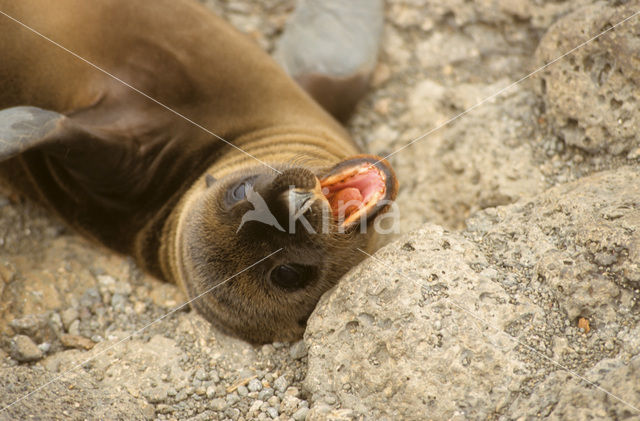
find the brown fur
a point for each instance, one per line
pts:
(131, 174)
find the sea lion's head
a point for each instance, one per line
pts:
(259, 248)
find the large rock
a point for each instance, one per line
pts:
(591, 96)
(424, 340)
(466, 325)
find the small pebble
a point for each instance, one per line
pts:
(265, 394)
(301, 414)
(232, 399)
(68, 316)
(254, 385)
(292, 391)
(44, 347)
(76, 341)
(298, 350)
(232, 413)
(55, 321)
(281, 384)
(211, 392)
(201, 374)
(289, 405)
(182, 395)
(74, 328)
(272, 412)
(274, 401)
(155, 394)
(24, 349)
(218, 404)
(255, 406)
(242, 391)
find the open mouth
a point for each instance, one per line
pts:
(358, 189)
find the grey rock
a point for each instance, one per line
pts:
(218, 404)
(559, 240)
(457, 323)
(281, 384)
(272, 412)
(44, 347)
(37, 326)
(69, 316)
(298, 350)
(23, 349)
(265, 394)
(289, 405)
(254, 385)
(155, 394)
(591, 96)
(232, 399)
(74, 328)
(376, 330)
(211, 392)
(201, 374)
(300, 414)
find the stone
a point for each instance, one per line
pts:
(298, 350)
(254, 385)
(76, 341)
(37, 326)
(456, 323)
(69, 316)
(591, 96)
(376, 330)
(300, 414)
(289, 405)
(23, 349)
(281, 384)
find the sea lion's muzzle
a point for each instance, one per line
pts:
(359, 189)
(350, 194)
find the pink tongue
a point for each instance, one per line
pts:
(345, 201)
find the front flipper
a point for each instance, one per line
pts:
(330, 48)
(24, 128)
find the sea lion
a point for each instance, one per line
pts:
(112, 127)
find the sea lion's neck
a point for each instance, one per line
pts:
(281, 146)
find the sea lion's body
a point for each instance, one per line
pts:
(130, 188)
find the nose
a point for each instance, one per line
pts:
(292, 194)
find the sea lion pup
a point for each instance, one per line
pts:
(129, 158)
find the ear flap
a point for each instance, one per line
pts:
(210, 180)
(25, 128)
(359, 188)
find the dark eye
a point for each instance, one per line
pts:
(292, 277)
(239, 192)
